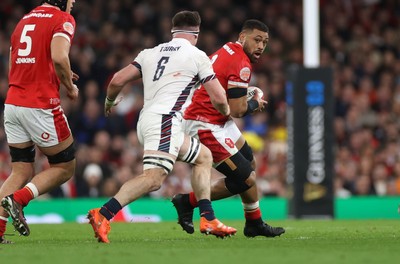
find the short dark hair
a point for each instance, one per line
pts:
(186, 19)
(252, 24)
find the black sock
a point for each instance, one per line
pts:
(186, 200)
(254, 222)
(206, 209)
(110, 208)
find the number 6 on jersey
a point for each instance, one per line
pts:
(160, 68)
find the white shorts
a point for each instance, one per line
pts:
(164, 133)
(45, 127)
(220, 139)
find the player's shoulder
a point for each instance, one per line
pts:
(232, 51)
(66, 16)
(199, 52)
(150, 52)
(64, 22)
(237, 48)
(231, 54)
(194, 52)
(191, 48)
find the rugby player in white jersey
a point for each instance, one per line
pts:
(169, 71)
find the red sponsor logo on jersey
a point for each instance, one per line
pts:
(229, 142)
(45, 135)
(245, 74)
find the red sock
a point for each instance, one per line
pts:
(3, 224)
(23, 196)
(253, 214)
(193, 200)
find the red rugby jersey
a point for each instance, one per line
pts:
(232, 66)
(32, 79)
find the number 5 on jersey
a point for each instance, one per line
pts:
(26, 39)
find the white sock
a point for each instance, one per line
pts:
(3, 218)
(251, 206)
(33, 189)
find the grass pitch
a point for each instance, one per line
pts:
(305, 241)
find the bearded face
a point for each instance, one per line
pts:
(254, 44)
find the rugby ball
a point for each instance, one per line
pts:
(251, 92)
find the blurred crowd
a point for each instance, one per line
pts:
(359, 40)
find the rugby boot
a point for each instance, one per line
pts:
(14, 209)
(5, 241)
(216, 228)
(185, 213)
(101, 226)
(262, 229)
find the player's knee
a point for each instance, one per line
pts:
(236, 187)
(65, 170)
(154, 185)
(70, 169)
(205, 157)
(22, 155)
(247, 152)
(251, 180)
(154, 179)
(63, 156)
(239, 174)
(254, 164)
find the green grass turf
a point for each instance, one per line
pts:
(305, 241)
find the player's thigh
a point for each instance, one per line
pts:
(162, 138)
(193, 152)
(234, 133)
(17, 135)
(217, 138)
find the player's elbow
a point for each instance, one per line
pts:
(223, 108)
(118, 80)
(59, 59)
(221, 105)
(219, 100)
(238, 110)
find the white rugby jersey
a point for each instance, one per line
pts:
(170, 71)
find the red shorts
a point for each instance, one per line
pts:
(220, 139)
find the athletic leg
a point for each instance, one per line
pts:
(158, 161)
(254, 226)
(62, 167)
(200, 156)
(21, 173)
(150, 180)
(184, 203)
(239, 171)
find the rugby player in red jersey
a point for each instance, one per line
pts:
(232, 156)
(39, 65)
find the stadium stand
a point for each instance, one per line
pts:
(359, 39)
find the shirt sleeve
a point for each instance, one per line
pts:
(239, 74)
(65, 27)
(206, 71)
(137, 62)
